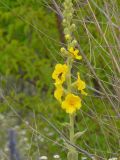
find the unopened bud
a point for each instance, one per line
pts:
(68, 37)
(73, 27)
(64, 21)
(62, 50)
(74, 42)
(66, 31)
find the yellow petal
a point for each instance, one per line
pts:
(58, 93)
(79, 57)
(84, 93)
(71, 49)
(71, 103)
(60, 72)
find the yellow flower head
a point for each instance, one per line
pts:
(81, 85)
(59, 74)
(58, 92)
(71, 103)
(74, 53)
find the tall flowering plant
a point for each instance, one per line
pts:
(65, 88)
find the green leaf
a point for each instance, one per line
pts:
(67, 125)
(78, 135)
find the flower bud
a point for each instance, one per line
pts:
(62, 50)
(74, 42)
(64, 21)
(66, 31)
(68, 37)
(73, 27)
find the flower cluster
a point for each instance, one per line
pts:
(59, 75)
(69, 28)
(71, 102)
(64, 87)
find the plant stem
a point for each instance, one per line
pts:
(72, 154)
(72, 128)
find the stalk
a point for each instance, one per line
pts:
(69, 101)
(72, 153)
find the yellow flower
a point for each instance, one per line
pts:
(74, 53)
(59, 74)
(71, 103)
(58, 92)
(81, 85)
